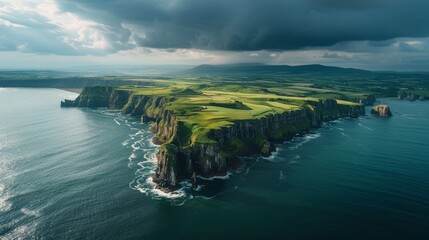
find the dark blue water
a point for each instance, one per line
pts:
(85, 174)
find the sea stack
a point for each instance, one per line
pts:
(382, 110)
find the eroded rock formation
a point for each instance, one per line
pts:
(381, 110)
(180, 157)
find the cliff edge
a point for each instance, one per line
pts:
(203, 132)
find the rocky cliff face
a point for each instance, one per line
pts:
(179, 158)
(410, 95)
(326, 110)
(244, 138)
(94, 97)
(381, 110)
(367, 101)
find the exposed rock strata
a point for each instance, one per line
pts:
(179, 158)
(381, 110)
(411, 96)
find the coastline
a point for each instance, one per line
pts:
(197, 180)
(334, 176)
(181, 156)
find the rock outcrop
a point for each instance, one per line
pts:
(411, 95)
(67, 103)
(381, 110)
(368, 100)
(182, 157)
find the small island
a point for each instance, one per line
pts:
(382, 110)
(202, 128)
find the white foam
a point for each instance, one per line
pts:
(110, 112)
(273, 155)
(150, 157)
(216, 195)
(28, 212)
(312, 136)
(143, 181)
(152, 144)
(296, 146)
(139, 132)
(180, 193)
(370, 129)
(5, 205)
(132, 156)
(21, 232)
(17, 233)
(171, 195)
(305, 139)
(117, 122)
(225, 177)
(142, 145)
(199, 188)
(134, 145)
(129, 125)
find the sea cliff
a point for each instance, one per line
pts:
(184, 154)
(382, 110)
(413, 95)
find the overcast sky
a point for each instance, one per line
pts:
(369, 34)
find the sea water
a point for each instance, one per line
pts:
(68, 173)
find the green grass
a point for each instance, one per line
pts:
(203, 106)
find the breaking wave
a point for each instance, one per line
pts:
(142, 158)
(299, 141)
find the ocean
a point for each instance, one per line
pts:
(68, 173)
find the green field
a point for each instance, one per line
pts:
(211, 97)
(206, 118)
(301, 81)
(202, 106)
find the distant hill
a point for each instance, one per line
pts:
(272, 69)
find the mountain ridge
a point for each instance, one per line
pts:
(260, 68)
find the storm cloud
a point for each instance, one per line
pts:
(248, 25)
(371, 34)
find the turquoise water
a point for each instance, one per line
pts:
(80, 173)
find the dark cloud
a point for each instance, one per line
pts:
(254, 24)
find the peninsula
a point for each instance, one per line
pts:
(202, 128)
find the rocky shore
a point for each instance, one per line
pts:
(179, 158)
